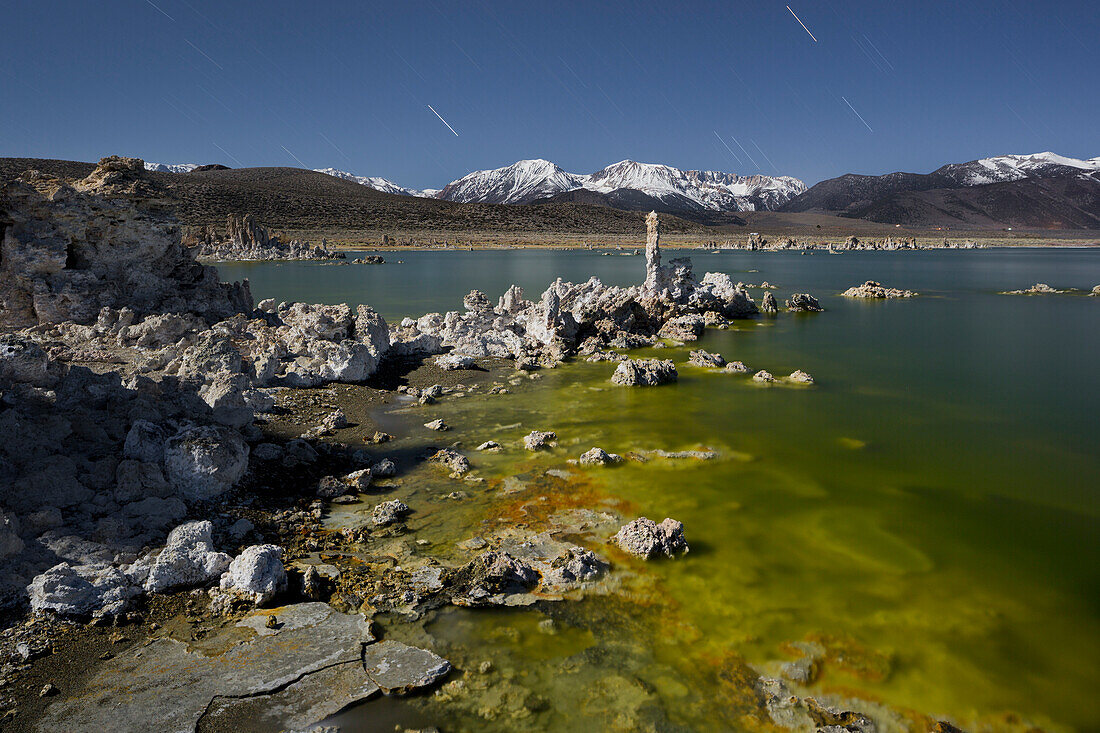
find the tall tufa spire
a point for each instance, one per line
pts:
(652, 252)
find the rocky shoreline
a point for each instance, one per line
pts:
(172, 458)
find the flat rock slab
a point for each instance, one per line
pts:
(297, 707)
(170, 685)
(399, 668)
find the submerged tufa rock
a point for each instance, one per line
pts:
(872, 289)
(644, 372)
(645, 538)
(803, 302)
(599, 457)
(706, 359)
(539, 439)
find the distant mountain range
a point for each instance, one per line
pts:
(625, 185)
(1042, 190)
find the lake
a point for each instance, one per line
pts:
(927, 513)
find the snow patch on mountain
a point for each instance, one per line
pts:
(377, 183)
(170, 167)
(1016, 167)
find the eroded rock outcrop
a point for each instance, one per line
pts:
(67, 251)
(245, 239)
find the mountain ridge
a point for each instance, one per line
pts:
(1040, 190)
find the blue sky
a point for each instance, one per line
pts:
(734, 86)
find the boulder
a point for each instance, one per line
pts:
(372, 331)
(706, 359)
(599, 457)
(572, 566)
(82, 591)
(267, 452)
(737, 367)
(145, 442)
(803, 302)
(187, 560)
(257, 574)
(358, 480)
(492, 574)
(768, 304)
(539, 439)
(385, 468)
(388, 512)
(645, 538)
(452, 460)
(205, 462)
(330, 487)
(225, 394)
(24, 362)
(644, 372)
(763, 376)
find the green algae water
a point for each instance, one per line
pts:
(927, 512)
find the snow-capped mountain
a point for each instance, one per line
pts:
(711, 190)
(170, 167)
(1016, 167)
(379, 184)
(531, 180)
(519, 183)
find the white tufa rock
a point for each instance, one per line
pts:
(83, 590)
(187, 560)
(256, 574)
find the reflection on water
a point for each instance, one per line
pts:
(929, 509)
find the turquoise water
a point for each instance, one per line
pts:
(933, 501)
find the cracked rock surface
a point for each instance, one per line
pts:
(310, 663)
